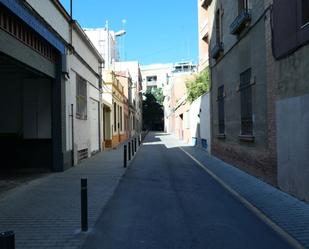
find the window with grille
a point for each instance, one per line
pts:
(81, 98)
(120, 118)
(243, 5)
(115, 116)
(245, 89)
(305, 12)
(221, 114)
(218, 26)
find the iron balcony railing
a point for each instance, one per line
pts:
(217, 49)
(240, 22)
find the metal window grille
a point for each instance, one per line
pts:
(218, 26)
(15, 27)
(246, 103)
(115, 117)
(221, 109)
(81, 98)
(243, 5)
(120, 115)
(305, 11)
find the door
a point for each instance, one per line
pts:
(94, 125)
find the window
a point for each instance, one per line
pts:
(115, 116)
(243, 5)
(81, 98)
(305, 12)
(221, 115)
(120, 116)
(151, 78)
(246, 103)
(218, 26)
(118, 125)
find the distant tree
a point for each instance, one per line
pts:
(157, 93)
(197, 86)
(153, 114)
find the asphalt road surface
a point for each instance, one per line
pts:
(165, 201)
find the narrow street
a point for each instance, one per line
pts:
(165, 201)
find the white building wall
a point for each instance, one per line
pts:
(105, 42)
(83, 50)
(200, 121)
(82, 128)
(53, 16)
(162, 71)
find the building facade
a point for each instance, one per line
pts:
(259, 94)
(203, 31)
(176, 106)
(239, 88)
(134, 93)
(288, 74)
(47, 51)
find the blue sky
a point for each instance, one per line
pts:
(158, 31)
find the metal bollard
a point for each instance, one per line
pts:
(135, 144)
(124, 156)
(84, 205)
(7, 240)
(139, 139)
(129, 150)
(132, 148)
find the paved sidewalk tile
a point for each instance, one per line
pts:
(45, 213)
(286, 211)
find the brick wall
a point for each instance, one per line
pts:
(258, 163)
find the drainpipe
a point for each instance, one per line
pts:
(71, 23)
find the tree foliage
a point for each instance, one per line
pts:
(153, 114)
(157, 93)
(197, 86)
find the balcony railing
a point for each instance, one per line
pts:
(217, 50)
(240, 22)
(205, 3)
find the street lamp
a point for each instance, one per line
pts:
(120, 33)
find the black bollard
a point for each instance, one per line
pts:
(129, 150)
(135, 147)
(124, 156)
(84, 205)
(7, 240)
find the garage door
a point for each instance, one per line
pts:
(94, 125)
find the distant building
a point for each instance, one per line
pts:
(176, 106)
(156, 76)
(105, 40)
(135, 93)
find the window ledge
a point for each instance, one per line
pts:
(221, 136)
(305, 25)
(246, 138)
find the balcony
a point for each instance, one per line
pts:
(217, 50)
(204, 29)
(205, 3)
(240, 22)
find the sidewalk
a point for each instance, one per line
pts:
(289, 213)
(45, 213)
